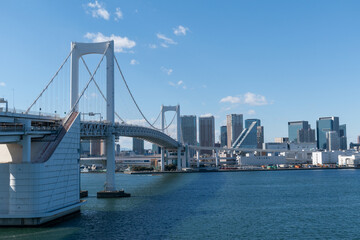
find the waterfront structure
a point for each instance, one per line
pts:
(300, 132)
(234, 123)
(252, 160)
(323, 125)
(138, 146)
(275, 146)
(247, 138)
(223, 136)
(349, 161)
(207, 133)
(325, 157)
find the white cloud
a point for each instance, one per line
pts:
(98, 11)
(249, 98)
(166, 40)
(178, 84)
(168, 71)
(206, 115)
(251, 112)
(121, 43)
(254, 99)
(153, 46)
(2, 84)
(118, 14)
(133, 62)
(93, 95)
(230, 99)
(180, 30)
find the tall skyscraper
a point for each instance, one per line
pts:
(323, 125)
(300, 132)
(343, 138)
(332, 141)
(248, 122)
(207, 132)
(188, 129)
(223, 136)
(247, 138)
(234, 123)
(138, 146)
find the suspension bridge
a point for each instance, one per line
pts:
(39, 166)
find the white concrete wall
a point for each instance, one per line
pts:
(38, 188)
(261, 160)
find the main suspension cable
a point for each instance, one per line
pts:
(137, 106)
(52, 79)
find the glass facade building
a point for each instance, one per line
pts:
(324, 125)
(207, 133)
(234, 123)
(223, 136)
(248, 122)
(188, 129)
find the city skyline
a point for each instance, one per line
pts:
(201, 62)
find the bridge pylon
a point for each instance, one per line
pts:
(107, 49)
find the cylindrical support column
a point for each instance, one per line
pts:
(197, 158)
(110, 163)
(179, 159)
(26, 142)
(162, 159)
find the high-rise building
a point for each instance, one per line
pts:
(343, 138)
(248, 122)
(332, 141)
(156, 149)
(207, 133)
(188, 129)
(300, 132)
(260, 136)
(323, 125)
(247, 138)
(223, 136)
(138, 146)
(234, 123)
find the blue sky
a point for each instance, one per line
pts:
(278, 61)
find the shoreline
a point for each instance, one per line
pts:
(225, 170)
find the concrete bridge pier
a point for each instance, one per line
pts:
(162, 159)
(197, 158)
(26, 142)
(179, 159)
